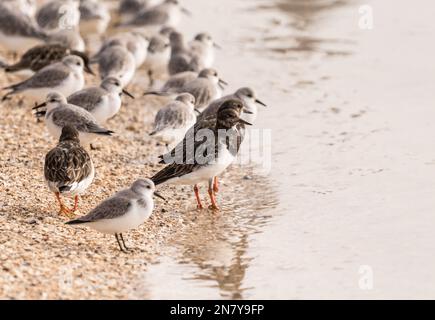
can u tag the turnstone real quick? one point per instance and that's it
(125, 210)
(68, 168)
(64, 77)
(173, 120)
(246, 95)
(41, 56)
(102, 102)
(59, 113)
(194, 160)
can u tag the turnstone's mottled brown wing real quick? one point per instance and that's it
(88, 98)
(180, 148)
(172, 171)
(66, 164)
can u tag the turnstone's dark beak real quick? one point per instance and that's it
(259, 102)
(127, 93)
(41, 105)
(186, 12)
(245, 122)
(159, 195)
(247, 111)
(217, 46)
(197, 111)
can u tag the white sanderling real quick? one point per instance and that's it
(67, 37)
(26, 7)
(167, 13)
(205, 87)
(64, 77)
(202, 47)
(59, 15)
(43, 55)
(17, 31)
(159, 52)
(102, 102)
(181, 59)
(173, 120)
(134, 41)
(59, 113)
(116, 61)
(246, 95)
(94, 17)
(68, 168)
(125, 210)
(216, 154)
(128, 9)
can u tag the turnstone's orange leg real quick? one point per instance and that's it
(76, 203)
(62, 210)
(198, 199)
(211, 193)
(216, 185)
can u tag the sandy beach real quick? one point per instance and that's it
(344, 209)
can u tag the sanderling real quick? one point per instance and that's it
(246, 95)
(67, 37)
(125, 210)
(167, 13)
(205, 88)
(41, 56)
(202, 46)
(217, 153)
(134, 41)
(102, 102)
(181, 59)
(128, 9)
(116, 61)
(94, 17)
(64, 77)
(17, 31)
(59, 14)
(174, 119)
(159, 52)
(59, 113)
(68, 168)
(26, 7)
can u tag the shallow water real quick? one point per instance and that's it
(352, 159)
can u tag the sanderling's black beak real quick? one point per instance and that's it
(197, 111)
(259, 102)
(222, 82)
(186, 12)
(159, 195)
(88, 69)
(245, 122)
(127, 93)
(217, 46)
(41, 105)
(247, 111)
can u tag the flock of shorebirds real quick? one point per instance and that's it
(46, 37)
